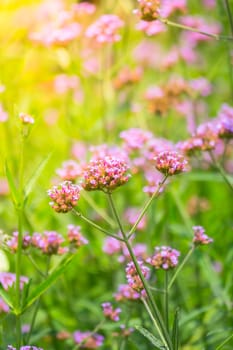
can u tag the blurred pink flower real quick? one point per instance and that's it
(105, 29)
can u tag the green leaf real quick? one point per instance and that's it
(14, 191)
(36, 174)
(224, 342)
(6, 297)
(45, 285)
(155, 341)
(175, 330)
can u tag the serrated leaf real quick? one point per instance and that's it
(45, 285)
(36, 174)
(13, 190)
(175, 330)
(155, 341)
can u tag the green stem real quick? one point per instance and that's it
(166, 308)
(225, 341)
(191, 29)
(152, 318)
(146, 206)
(20, 214)
(180, 267)
(165, 337)
(230, 17)
(45, 274)
(221, 170)
(81, 216)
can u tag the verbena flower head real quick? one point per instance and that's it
(49, 242)
(125, 292)
(75, 237)
(110, 312)
(88, 339)
(25, 347)
(70, 170)
(105, 174)
(170, 163)
(12, 242)
(64, 197)
(148, 9)
(225, 129)
(7, 279)
(105, 29)
(164, 258)
(26, 118)
(133, 278)
(200, 238)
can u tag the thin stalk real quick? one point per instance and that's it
(81, 216)
(166, 295)
(229, 14)
(180, 267)
(45, 274)
(20, 210)
(191, 29)
(165, 335)
(35, 266)
(152, 318)
(146, 206)
(221, 170)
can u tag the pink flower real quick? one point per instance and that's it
(148, 9)
(3, 114)
(133, 278)
(200, 238)
(70, 170)
(105, 174)
(168, 7)
(135, 139)
(88, 340)
(25, 347)
(84, 8)
(170, 163)
(63, 83)
(164, 258)
(125, 292)
(105, 29)
(131, 215)
(75, 237)
(109, 312)
(7, 279)
(202, 86)
(64, 197)
(49, 242)
(12, 242)
(26, 118)
(111, 246)
(151, 28)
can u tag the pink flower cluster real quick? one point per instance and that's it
(75, 237)
(132, 214)
(7, 279)
(88, 339)
(12, 242)
(200, 238)
(64, 197)
(105, 29)
(133, 278)
(26, 118)
(164, 258)
(49, 242)
(125, 292)
(3, 114)
(25, 347)
(83, 8)
(148, 9)
(70, 170)
(170, 163)
(110, 312)
(105, 174)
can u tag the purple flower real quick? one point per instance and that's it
(105, 174)
(64, 197)
(170, 163)
(200, 238)
(164, 258)
(88, 339)
(110, 312)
